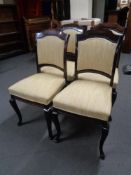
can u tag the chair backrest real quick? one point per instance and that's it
(96, 52)
(72, 30)
(116, 29)
(51, 49)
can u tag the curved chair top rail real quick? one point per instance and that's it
(111, 26)
(105, 33)
(57, 33)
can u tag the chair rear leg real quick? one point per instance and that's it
(110, 118)
(114, 96)
(105, 131)
(16, 109)
(57, 126)
(48, 121)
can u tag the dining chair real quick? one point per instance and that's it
(96, 53)
(40, 88)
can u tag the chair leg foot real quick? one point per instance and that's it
(105, 131)
(49, 125)
(114, 96)
(110, 118)
(57, 126)
(16, 109)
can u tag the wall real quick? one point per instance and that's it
(1, 2)
(81, 8)
(7, 1)
(98, 9)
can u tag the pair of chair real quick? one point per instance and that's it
(96, 53)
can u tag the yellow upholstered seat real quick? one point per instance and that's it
(40, 88)
(81, 97)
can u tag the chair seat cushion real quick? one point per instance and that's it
(40, 88)
(87, 98)
(53, 70)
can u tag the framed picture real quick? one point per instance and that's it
(124, 2)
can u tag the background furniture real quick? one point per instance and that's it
(34, 25)
(36, 15)
(127, 41)
(81, 13)
(12, 38)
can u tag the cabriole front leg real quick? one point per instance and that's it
(105, 131)
(16, 109)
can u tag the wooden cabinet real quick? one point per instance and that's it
(12, 41)
(127, 42)
(34, 25)
(112, 16)
(35, 20)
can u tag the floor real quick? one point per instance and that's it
(26, 150)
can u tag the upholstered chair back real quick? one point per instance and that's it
(116, 29)
(51, 48)
(97, 52)
(72, 32)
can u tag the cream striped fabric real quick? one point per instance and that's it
(72, 39)
(40, 88)
(96, 53)
(55, 71)
(83, 76)
(87, 98)
(100, 78)
(50, 50)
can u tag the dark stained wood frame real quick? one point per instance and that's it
(105, 124)
(47, 108)
(110, 26)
